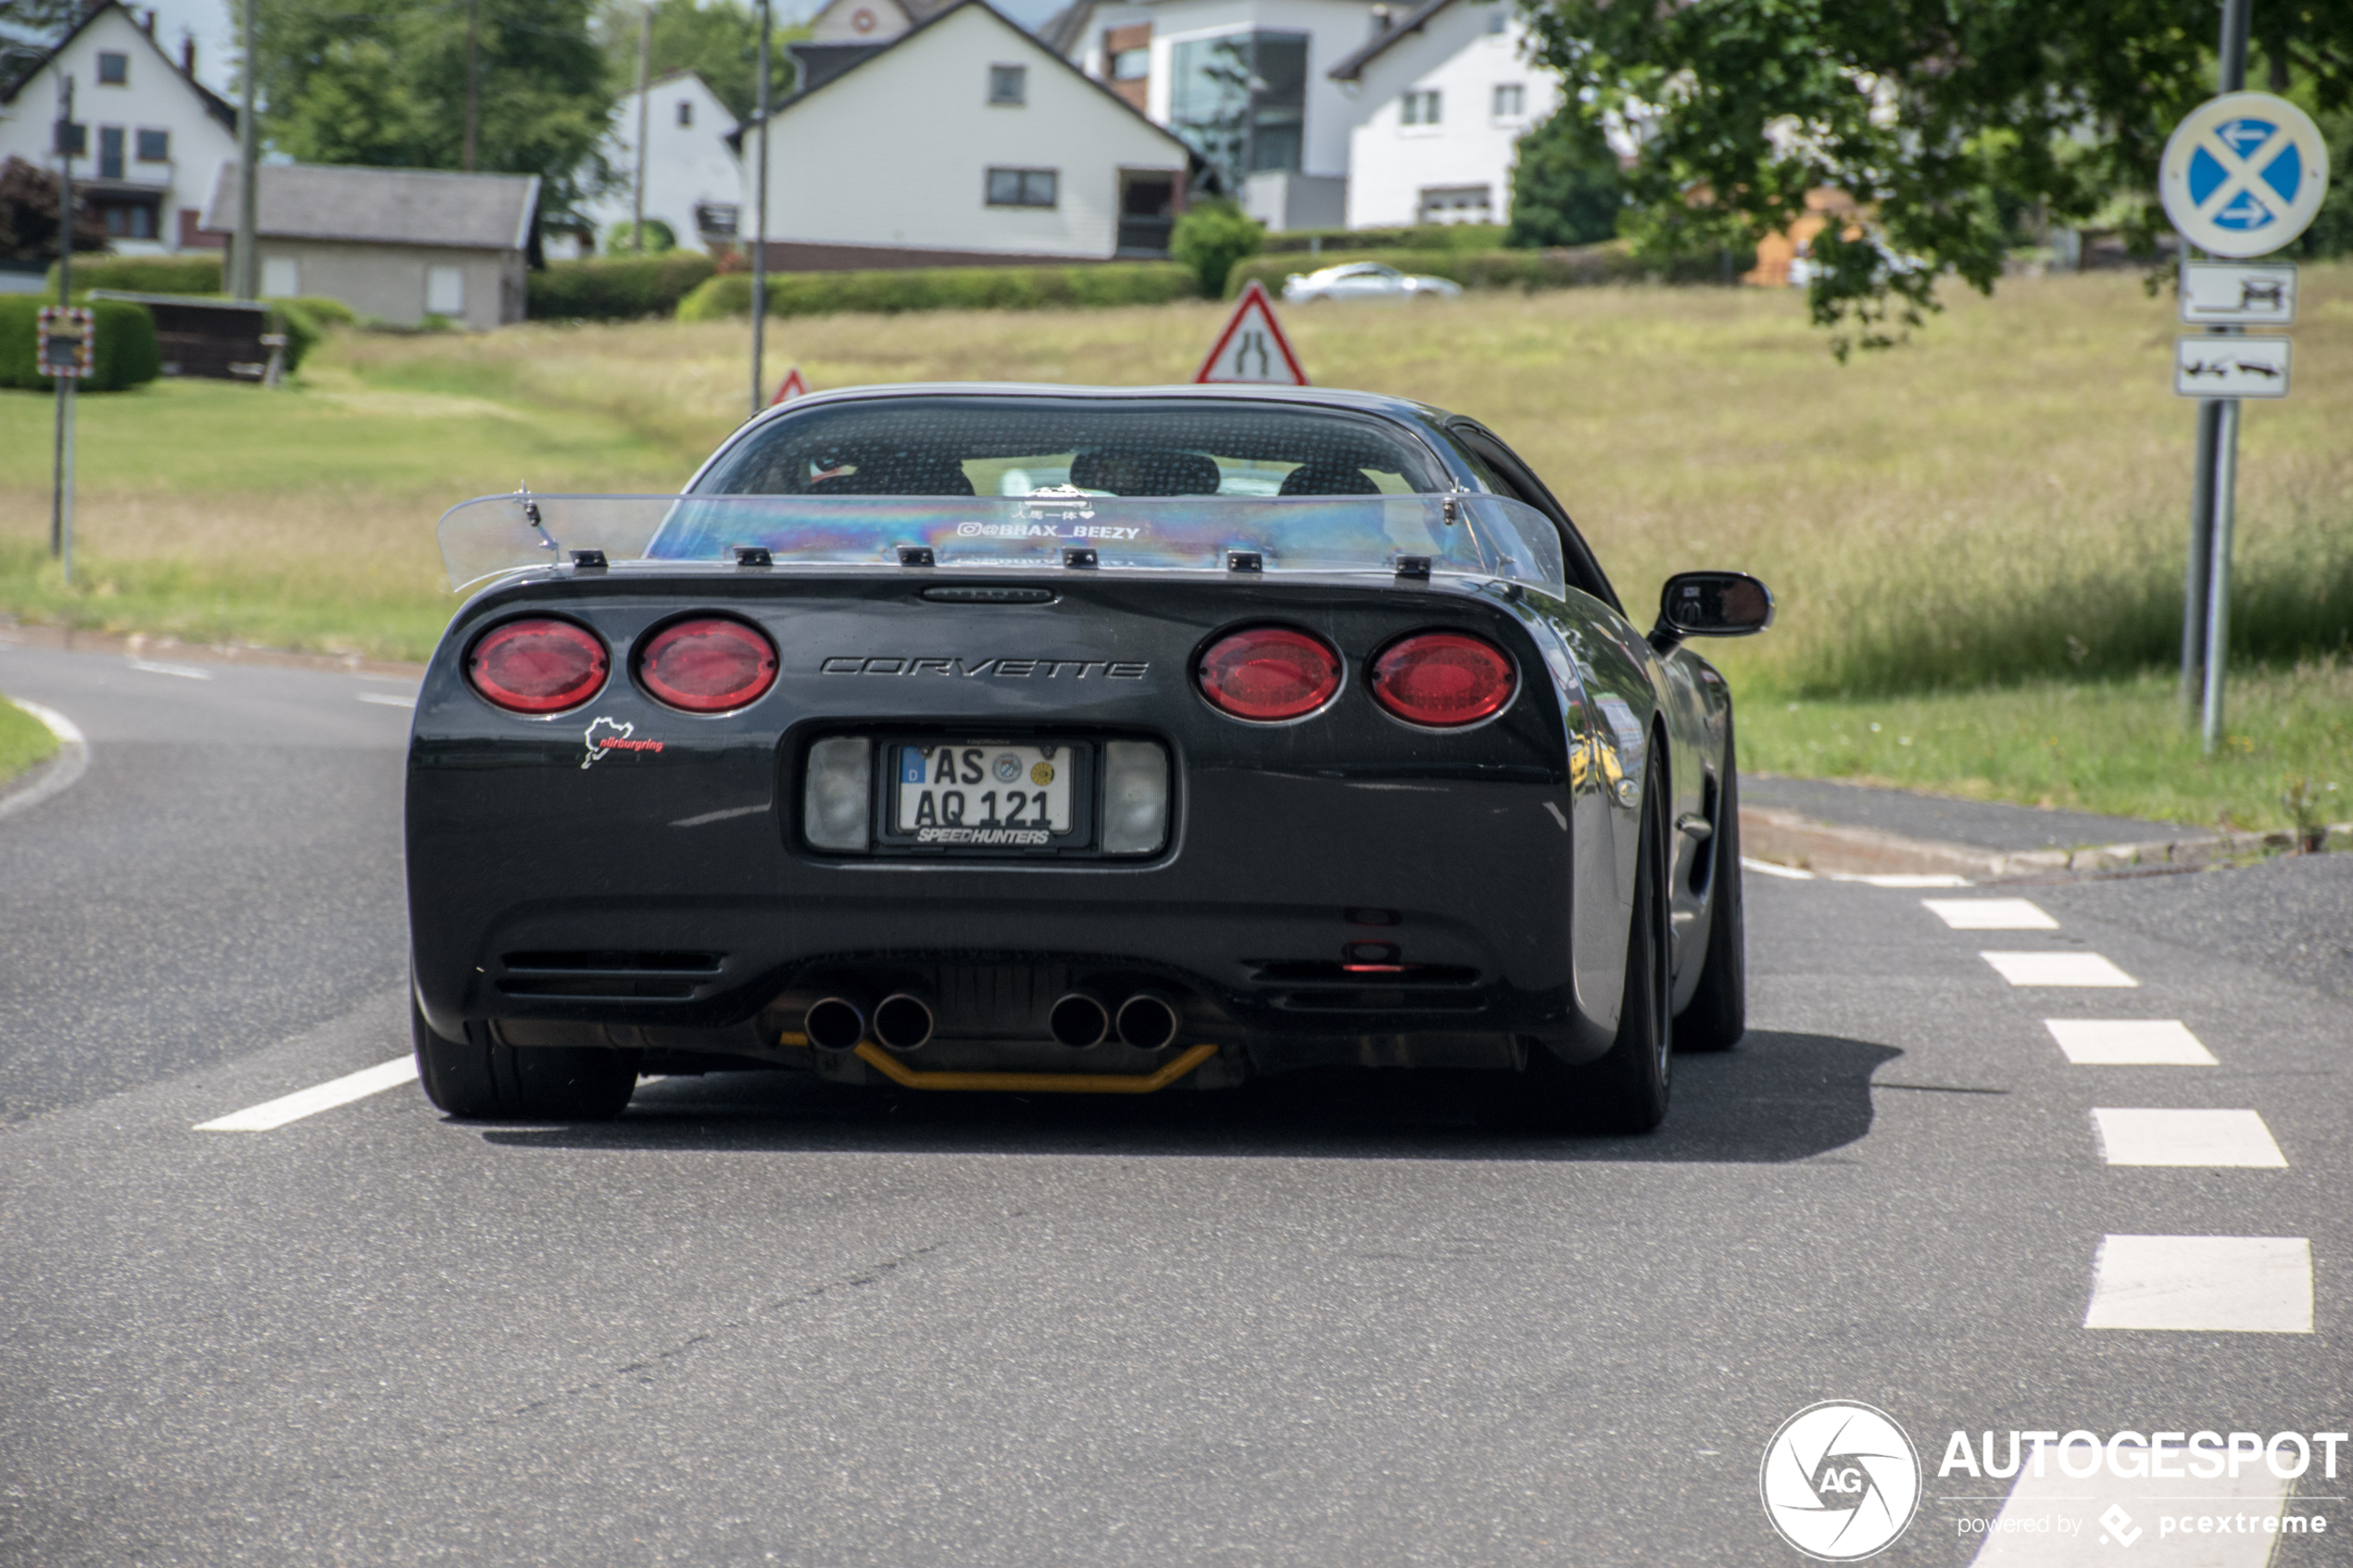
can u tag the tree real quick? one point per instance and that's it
(385, 84)
(718, 41)
(28, 29)
(29, 216)
(1935, 115)
(1566, 189)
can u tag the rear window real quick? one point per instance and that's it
(947, 446)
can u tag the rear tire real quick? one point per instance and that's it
(1717, 1015)
(1627, 1090)
(477, 1080)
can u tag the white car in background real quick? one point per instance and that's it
(1364, 279)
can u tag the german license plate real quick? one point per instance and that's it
(984, 794)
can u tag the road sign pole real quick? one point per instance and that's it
(760, 230)
(61, 478)
(2218, 576)
(2210, 425)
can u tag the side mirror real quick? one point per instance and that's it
(1710, 604)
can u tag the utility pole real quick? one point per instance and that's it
(61, 476)
(244, 263)
(473, 79)
(760, 230)
(645, 59)
(2206, 590)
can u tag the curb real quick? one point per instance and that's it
(1792, 839)
(142, 644)
(54, 775)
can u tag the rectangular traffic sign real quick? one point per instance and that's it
(2216, 293)
(2230, 367)
(63, 348)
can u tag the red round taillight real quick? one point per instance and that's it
(707, 665)
(1442, 679)
(537, 666)
(1269, 673)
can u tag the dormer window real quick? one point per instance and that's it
(1009, 86)
(114, 69)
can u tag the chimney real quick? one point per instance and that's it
(148, 25)
(188, 54)
(1380, 21)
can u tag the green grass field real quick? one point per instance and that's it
(24, 740)
(1984, 529)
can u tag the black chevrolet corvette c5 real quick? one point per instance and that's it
(1066, 739)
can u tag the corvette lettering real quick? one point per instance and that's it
(1044, 531)
(1008, 668)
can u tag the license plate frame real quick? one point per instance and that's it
(984, 830)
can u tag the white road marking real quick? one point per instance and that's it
(1991, 914)
(2058, 969)
(2203, 1284)
(2213, 1139)
(2028, 1532)
(2128, 1041)
(388, 699)
(1905, 879)
(186, 671)
(273, 1114)
(1771, 869)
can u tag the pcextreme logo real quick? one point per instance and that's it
(1841, 1481)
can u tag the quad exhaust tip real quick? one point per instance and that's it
(1079, 1021)
(1147, 1021)
(834, 1024)
(903, 1022)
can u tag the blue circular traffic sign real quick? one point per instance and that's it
(2243, 174)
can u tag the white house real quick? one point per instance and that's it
(693, 182)
(152, 136)
(963, 141)
(1246, 84)
(1443, 98)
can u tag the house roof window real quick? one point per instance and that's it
(1420, 109)
(114, 67)
(685, 112)
(1131, 65)
(155, 146)
(1022, 187)
(1009, 86)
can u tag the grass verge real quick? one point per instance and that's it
(24, 741)
(2116, 747)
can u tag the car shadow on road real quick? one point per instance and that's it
(1777, 1097)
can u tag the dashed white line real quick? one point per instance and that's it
(186, 671)
(273, 1114)
(2214, 1139)
(1905, 879)
(1991, 914)
(2058, 969)
(2203, 1284)
(388, 699)
(2128, 1041)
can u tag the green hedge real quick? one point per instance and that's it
(126, 354)
(1418, 236)
(143, 275)
(1581, 266)
(616, 290)
(944, 288)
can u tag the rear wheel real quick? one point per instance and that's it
(1625, 1091)
(1717, 1015)
(478, 1080)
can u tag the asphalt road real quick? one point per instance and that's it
(1316, 1321)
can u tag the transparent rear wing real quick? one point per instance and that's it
(1463, 535)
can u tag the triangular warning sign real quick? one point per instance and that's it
(1252, 350)
(794, 387)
